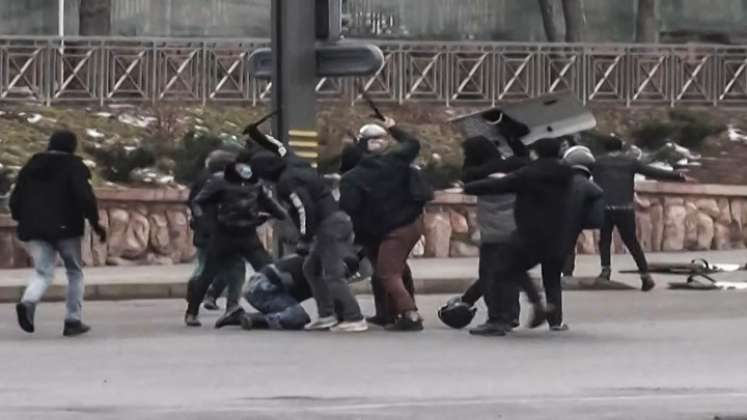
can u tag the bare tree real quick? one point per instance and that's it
(647, 30)
(547, 7)
(575, 21)
(95, 17)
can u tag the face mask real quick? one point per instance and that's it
(244, 171)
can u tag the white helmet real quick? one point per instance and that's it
(372, 131)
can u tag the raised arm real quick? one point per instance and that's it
(661, 174)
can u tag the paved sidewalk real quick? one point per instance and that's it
(432, 276)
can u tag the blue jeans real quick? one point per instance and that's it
(44, 255)
(281, 310)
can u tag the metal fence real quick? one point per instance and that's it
(110, 70)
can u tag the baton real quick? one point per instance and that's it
(267, 117)
(371, 104)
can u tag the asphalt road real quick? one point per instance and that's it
(629, 355)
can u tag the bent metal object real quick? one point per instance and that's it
(699, 275)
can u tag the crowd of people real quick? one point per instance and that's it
(531, 208)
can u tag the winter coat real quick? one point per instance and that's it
(495, 213)
(53, 197)
(615, 174)
(542, 202)
(237, 205)
(377, 193)
(307, 195)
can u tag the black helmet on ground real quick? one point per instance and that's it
(457, 314)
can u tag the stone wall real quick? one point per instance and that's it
(148, 226)
(671, 218)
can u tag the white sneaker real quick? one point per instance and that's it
(322, 324)
(351, 326)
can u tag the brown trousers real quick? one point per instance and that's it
(390, 261)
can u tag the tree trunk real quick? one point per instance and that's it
(575, 21)
(547, 7)
(647, 28)
(95, 17)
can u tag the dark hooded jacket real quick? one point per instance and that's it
(584, 197)
(53, 197)
(238, 204)
(376, 192)
(204, 226)
(308, 197)
(542, 203)
(495, 213)
(615, 173)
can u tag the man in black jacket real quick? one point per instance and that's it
(352, 155)
(540, 212)
(241, 205)
(380, 186)
(203, 227)
(326, 232)
(615, 174)
(51, 201)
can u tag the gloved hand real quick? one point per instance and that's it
(303, 248)
(100, 232)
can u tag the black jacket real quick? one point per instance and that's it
(376, 192)
(615, 174)
(52, 198)
(307, 195)
(583, 196)
(542, 201)
(202, 226)
(234, 206)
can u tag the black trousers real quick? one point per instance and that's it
(501, 297)
(224, 247)
(509, 265)
(624, 221)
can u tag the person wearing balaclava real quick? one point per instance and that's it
(540, 214)
(51, 201)
(326, 232)
(215, 163)
(241, 204)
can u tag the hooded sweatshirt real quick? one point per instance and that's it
(495, 213)
(299, 186)
(53, 197)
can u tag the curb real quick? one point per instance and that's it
(166, 290)
(172, 290)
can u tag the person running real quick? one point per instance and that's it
(615, 174)
(51, 201)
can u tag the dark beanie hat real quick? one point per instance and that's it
(547, 148)
(63, 141)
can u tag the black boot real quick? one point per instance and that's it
(539, 315)
(253, 321)
(73, 328)
(647, 282)
(191, 320)
(490, 329)
(231, 317)
(25, 312)
(210, 303)
(409, 321)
